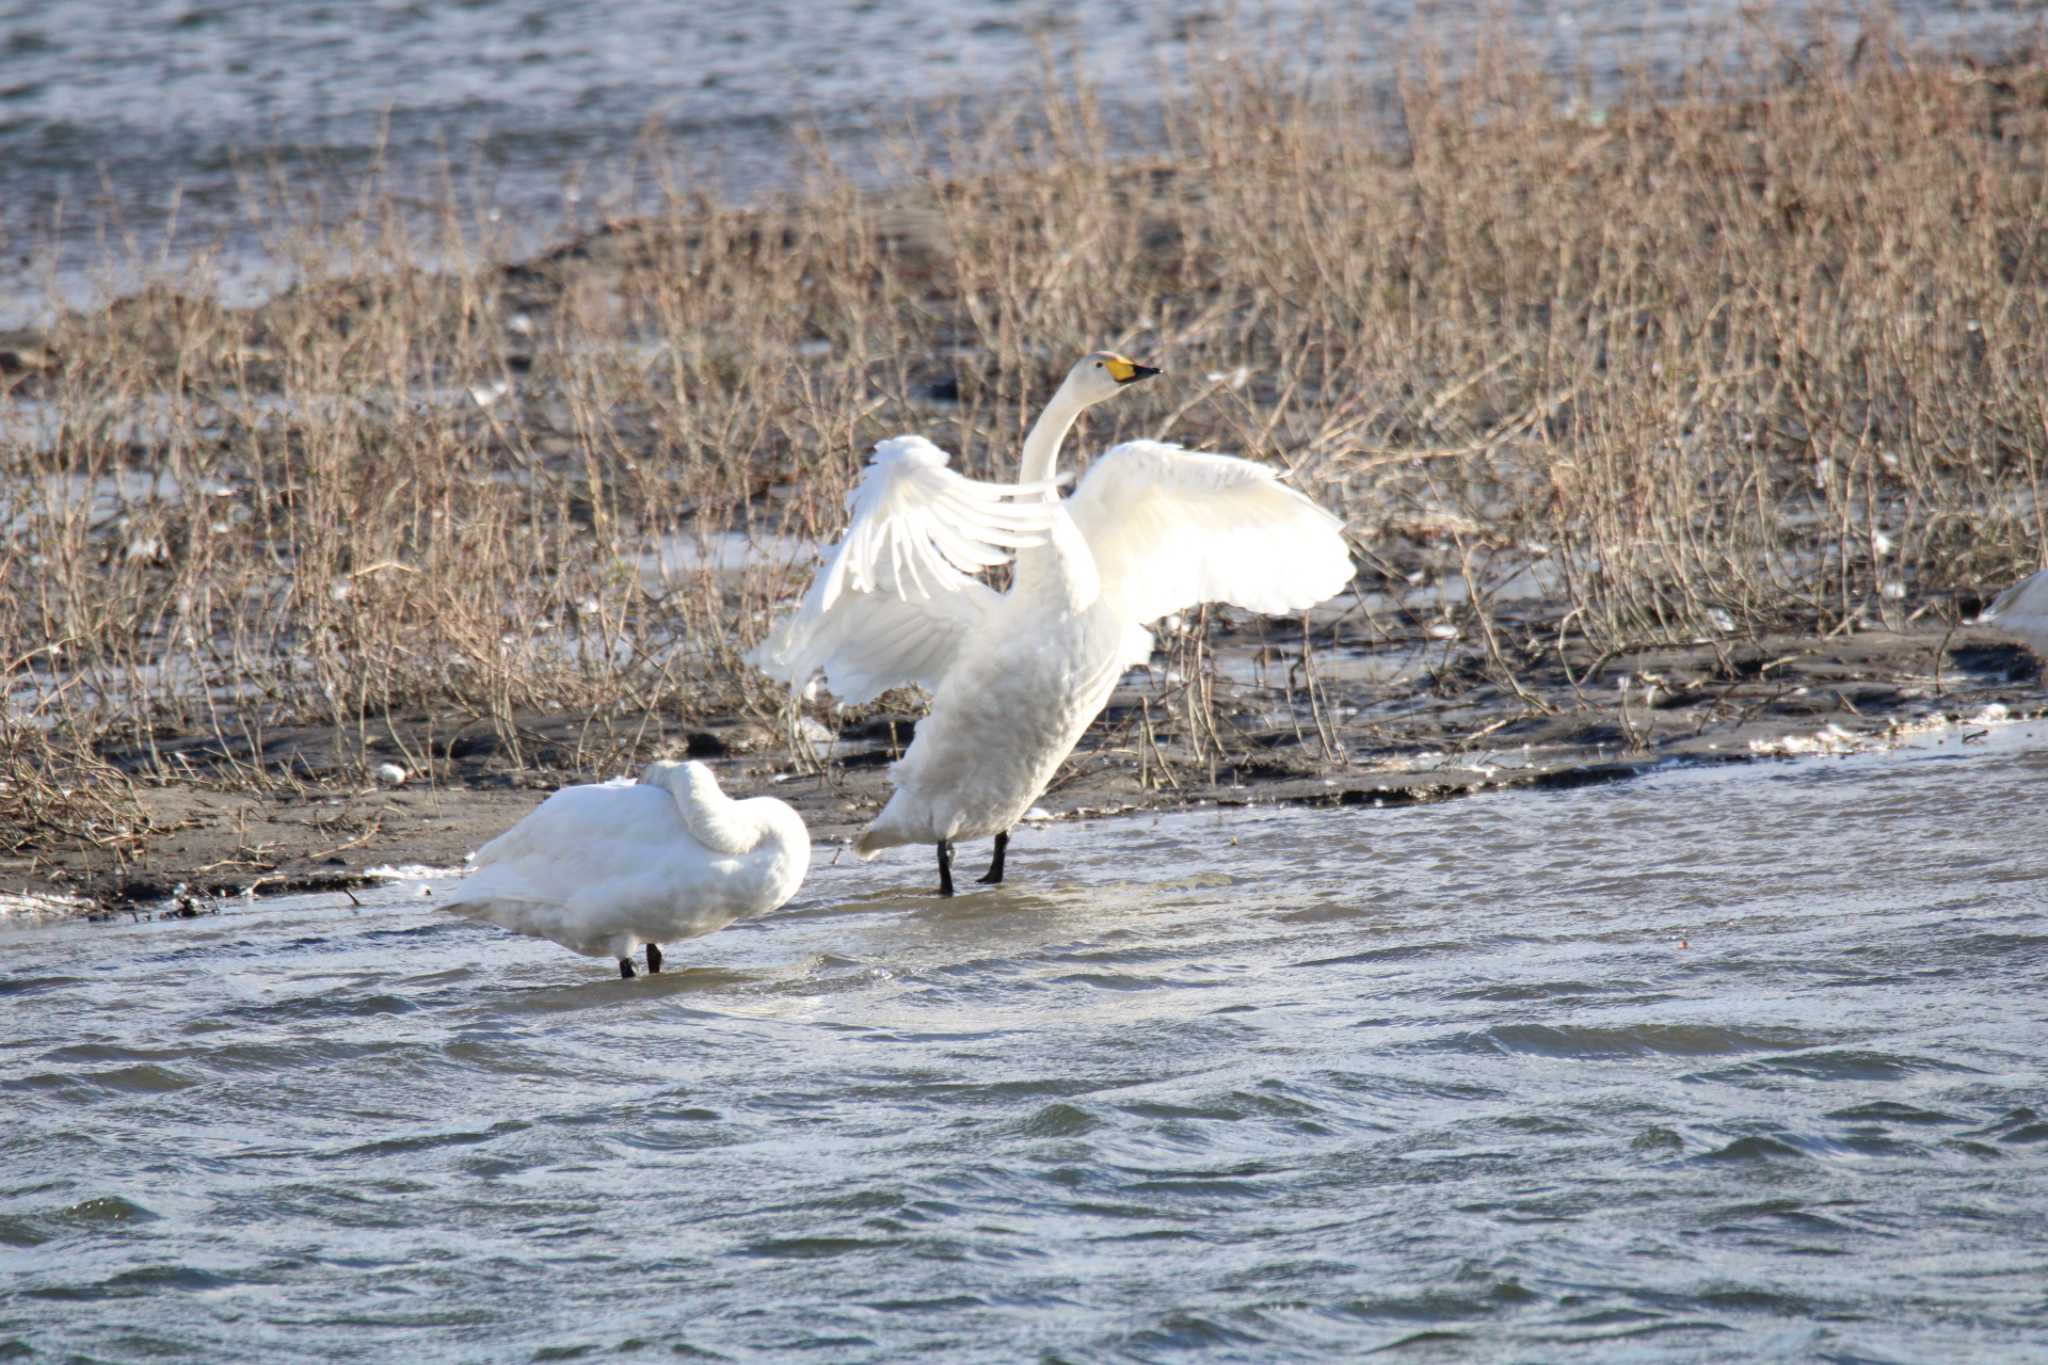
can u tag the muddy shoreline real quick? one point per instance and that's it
(1413, 741)
(470, 528)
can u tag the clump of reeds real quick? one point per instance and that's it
(1761, 352)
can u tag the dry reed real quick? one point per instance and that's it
(1760, 353)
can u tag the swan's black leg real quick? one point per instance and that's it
(994, 875)
(626, 967)
(945, 868)
(653, 958)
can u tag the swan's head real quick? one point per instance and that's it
(1103, 374)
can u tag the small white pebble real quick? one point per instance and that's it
(390, 774)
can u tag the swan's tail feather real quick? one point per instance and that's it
(871, 843)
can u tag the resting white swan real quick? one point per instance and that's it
(604, 869)
(2022, 611)
(1016, 677)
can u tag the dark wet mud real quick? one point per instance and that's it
(1389, 723)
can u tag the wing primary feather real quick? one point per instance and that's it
(898, 590)
(1171, 528)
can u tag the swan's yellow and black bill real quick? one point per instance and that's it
(1125, 371)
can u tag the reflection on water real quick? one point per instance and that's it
(1727, 1063)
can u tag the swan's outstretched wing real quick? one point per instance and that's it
(1171, 528)
(870, 642)
(896, 594)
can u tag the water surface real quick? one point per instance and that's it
(1729, 1063)
(137, 134)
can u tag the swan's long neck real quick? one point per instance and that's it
(1062, 567)
(714, 819)
(1048, 433)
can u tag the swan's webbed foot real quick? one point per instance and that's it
(945, 868)
(994, 875)
(653, 958)
(626, 968)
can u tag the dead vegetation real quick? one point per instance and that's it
(1764, 353)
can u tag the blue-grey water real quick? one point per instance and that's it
(136, 135)
(1737, 1063)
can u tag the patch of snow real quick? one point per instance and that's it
(27, 908)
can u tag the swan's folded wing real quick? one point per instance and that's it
(1170, 528)
(578, 836)
(896, 594)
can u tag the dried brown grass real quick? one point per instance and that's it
(1765, 352)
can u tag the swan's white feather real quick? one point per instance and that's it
(870, 642)
(897, 594)
(2022, 610)
(918, 528)
(1017, 677)
(1171, 528)
(603, 869)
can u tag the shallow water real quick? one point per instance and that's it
(139, 133)
(1722, 1063)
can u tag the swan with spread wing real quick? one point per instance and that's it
(1015, 677)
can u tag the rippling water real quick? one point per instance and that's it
(122, 118)
(1736, 1063)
